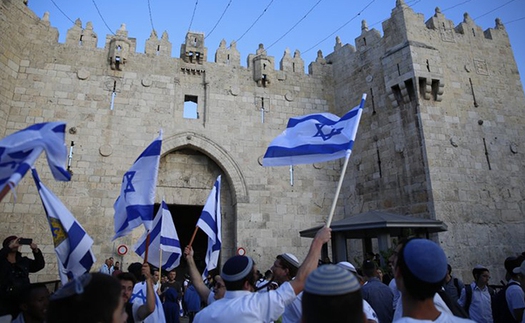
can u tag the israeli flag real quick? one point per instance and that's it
(210, 223)
(138, 296)
(20, 150)
(163, 237)
(134, 205)
(315, 138)
(72, 243)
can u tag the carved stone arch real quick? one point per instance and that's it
(217, 154)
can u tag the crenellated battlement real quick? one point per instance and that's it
(404, 25)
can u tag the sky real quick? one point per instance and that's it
(304, 25)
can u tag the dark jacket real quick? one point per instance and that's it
(14, 276)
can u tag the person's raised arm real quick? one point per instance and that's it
(38, 263)
(312, 259)
(147, 308)
(195, 276)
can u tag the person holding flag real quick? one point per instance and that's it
(242, 304)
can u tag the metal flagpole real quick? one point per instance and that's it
(334, 203)
(348, 152)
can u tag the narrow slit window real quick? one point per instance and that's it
(191, 110)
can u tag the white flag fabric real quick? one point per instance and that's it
(20, 150)
(139, 297)
(163, 236)
(134, 206)
(315, 138)
(210, 223)
(72, 243)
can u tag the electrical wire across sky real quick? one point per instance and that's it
(307, 26)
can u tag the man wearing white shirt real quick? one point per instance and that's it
(241, 305)
(420, 268)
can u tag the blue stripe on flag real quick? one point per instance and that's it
(315, 138)
(207, 218)
(277, 151)
(171, 260)
(75, 234)
(153, 149)
(168, 241)
(210, 223)
(152, 236)
(134, 206)
(36, 126)
(164, 239)
(72, 243)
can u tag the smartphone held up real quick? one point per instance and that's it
(25, 241)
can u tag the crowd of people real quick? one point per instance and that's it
(420, 287)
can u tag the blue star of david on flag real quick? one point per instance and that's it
(128, 179)
(139, 296)
(134, 206)
(315, 138)
(328, 136)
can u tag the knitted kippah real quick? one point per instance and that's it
(331, 280)
(425, 260)
(236, 268)
(346, 265)
(292, 260)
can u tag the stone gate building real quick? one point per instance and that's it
(440, 137)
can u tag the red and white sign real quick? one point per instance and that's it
(241, 251)
(122, 249)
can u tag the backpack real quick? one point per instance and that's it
(500, 307)
(458, 289)
(454, 307)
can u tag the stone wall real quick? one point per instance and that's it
(439, 136)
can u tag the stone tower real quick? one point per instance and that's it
(439, 137)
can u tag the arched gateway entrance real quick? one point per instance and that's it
(189, 166)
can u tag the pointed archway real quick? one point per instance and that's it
(189, 166)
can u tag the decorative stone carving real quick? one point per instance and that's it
(146, 82)
(105, 150)
(83, 74)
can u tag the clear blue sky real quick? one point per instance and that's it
(306, 25)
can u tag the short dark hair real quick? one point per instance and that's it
(369, 268)
(27, 291)
(136, 270)
(414, 286)
(477, 271)
(292, 270)
(127, 276)
(97, 303)
(346, 308)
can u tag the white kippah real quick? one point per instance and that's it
(292, 260)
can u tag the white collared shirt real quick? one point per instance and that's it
(242, 306)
